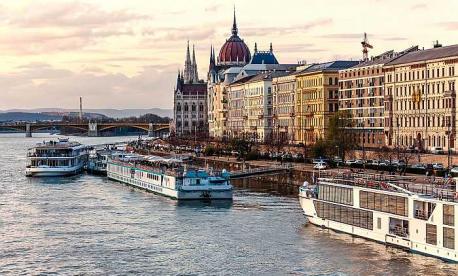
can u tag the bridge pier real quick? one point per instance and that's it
(151, 132)
(92, 130)
(28, 130)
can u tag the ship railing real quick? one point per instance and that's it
(423, 189)
(51, 155)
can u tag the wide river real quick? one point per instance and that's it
(92, 226)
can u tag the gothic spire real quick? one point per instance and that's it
(187, 66)
(271, 49)
(234, 25)
(255, 47)
(194, 77)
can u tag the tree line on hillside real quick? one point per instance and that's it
(146, 118)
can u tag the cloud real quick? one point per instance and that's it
(213, 8)
(297, 48)
(419, 6)
(342, 36)
(70, 14)
(61, 26)
(260, 31)
(180, 33)
(35, 85)
(449, 25)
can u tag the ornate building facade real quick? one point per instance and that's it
(223, 69)
(421, 99)
(362, 94)
(317, 98)
(190, 101)
(283, 100)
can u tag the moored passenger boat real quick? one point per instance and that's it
(418, 217)
(170, 178)
(56, 158)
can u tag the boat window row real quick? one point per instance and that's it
(335, 194)
(449, 215)
(51, 163)
(344, 214)
(152, 176)
(382, 202)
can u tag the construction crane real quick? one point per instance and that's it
(366, 45)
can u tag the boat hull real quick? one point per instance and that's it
(207, 194)
(310, 213)
(49, 172)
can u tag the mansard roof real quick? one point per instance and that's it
(329, 66)
(263, 57)
(429, 54)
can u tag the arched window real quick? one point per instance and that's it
(186, 108)
(330, 81)
(193, 108)
(179, 107)
(201, 107)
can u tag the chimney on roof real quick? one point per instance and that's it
(437, 44)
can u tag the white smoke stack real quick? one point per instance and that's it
(81, 108)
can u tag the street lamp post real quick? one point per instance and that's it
(448, 149)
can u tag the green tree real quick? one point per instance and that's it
(338, 138)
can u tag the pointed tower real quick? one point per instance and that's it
(234, 25)
(195, 75)
(187, 75)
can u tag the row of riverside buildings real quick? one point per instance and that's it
(404, 98)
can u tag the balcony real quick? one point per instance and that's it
(450, 94)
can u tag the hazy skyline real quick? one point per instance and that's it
(118, 54)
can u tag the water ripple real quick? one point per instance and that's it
(87, 225)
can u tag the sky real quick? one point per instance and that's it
(126, 54)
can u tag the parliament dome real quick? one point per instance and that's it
(234, 51)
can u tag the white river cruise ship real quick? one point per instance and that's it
(56, 158)
(170, 178)
(421, 218)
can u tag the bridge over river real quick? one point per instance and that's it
(93, 129)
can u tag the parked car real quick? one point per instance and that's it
(320, 166)
(350, 162)
(359, 162)
(437, 150)
(419, 166)
(438, 166)
(337, 160)
(319, 160)
(454, 170)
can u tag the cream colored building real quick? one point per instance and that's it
(421, 99)
(237, 114)
(283, 125)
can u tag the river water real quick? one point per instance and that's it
(92, 226)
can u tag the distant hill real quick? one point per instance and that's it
(113, 113)
(29, 117)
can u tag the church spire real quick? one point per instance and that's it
(234, 25)
(187, 66)
(194, 77)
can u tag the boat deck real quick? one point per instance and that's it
(424, 187)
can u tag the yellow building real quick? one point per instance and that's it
(420, 99)
(317, 98)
